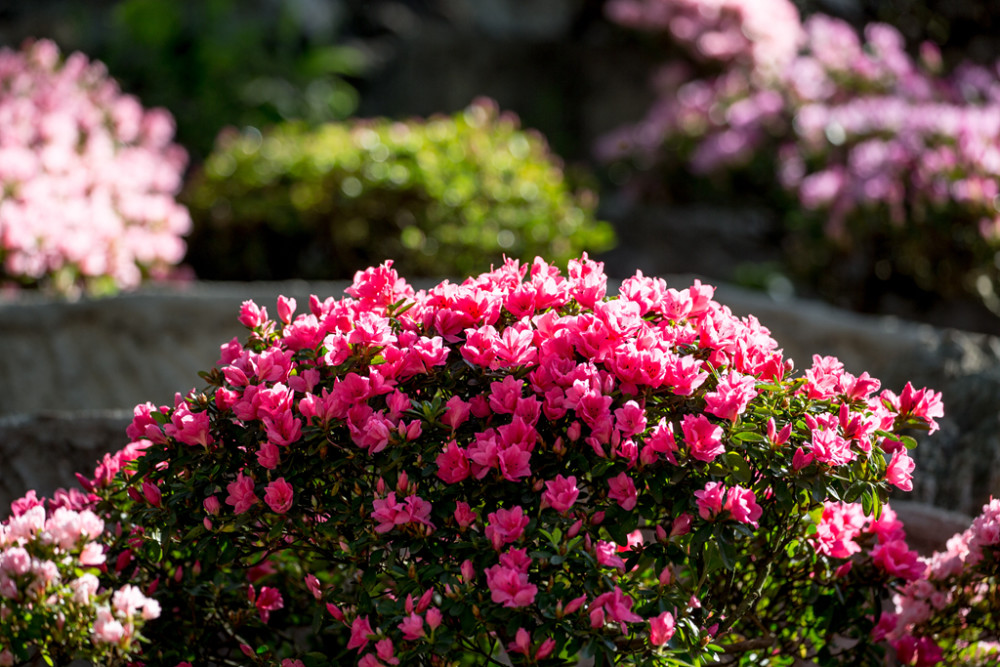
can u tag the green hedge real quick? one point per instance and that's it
(445, 196)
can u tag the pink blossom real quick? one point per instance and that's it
(710, 500)
(412, 627)
(361, 631)
(107, 628)
(452, 464)
(278, 496)
(622, 491)
(509, 586)
(661, 628)
(241, 493)
(607, 555)
(704, 439)
(837, 528)
(560, 493)
(742, 505)
(899, 472)
(614, 606)
(897, 559)
(464, 515)
(506, 526)
(731, 397)
(191, 428)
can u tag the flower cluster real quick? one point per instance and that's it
(870, 142)
(52, 601)
(948, 614)
(87, 177)
(518, 464)
(764, 35)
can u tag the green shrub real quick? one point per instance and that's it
(449, 195)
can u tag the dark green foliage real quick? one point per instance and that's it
(446, 196)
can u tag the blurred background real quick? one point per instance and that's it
(575, 72)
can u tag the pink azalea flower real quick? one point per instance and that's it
(710, 500)
(464, 515)
(623, 491)
(899, 472)
(188, 427)
(661, 629)
(837, 528)
(241, 493)
(506, 526)
(412, 627)
(897, 559)
(731, 397)
(704, 439)
(560, 493)
(278, 496)
(452, 464)
(509, 586)
(267, 601)
(742, 505)
(361, 631)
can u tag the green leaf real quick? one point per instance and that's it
(749, 436)
(739, 468)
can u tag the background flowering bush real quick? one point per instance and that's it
(87, 177)
(880, 163)
(446, 196)
(515, 464)
(53, 602)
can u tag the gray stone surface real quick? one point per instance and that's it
(43, 451)
(111, 354)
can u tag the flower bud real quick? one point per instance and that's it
(212, 505)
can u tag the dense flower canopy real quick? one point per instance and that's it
(87, 176)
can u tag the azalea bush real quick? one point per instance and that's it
(878, 162)
(514, 467)
(52, 601)
(444, 196)
(87, 177)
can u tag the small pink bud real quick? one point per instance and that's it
(575, 604)
(433, 618)
(666, 576)
(574, 530)
(286, 308)
(597, 518)
(335, 612)
(207, 523)
(247, 651)
(408, 605)
(682, 525)
(538, 485)
(151, 493)
(545, 650)
(468, 572)
(661, 534)
(402, 482)
(212, 505)
(380, 487)
(559, 447)
(425, 600)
